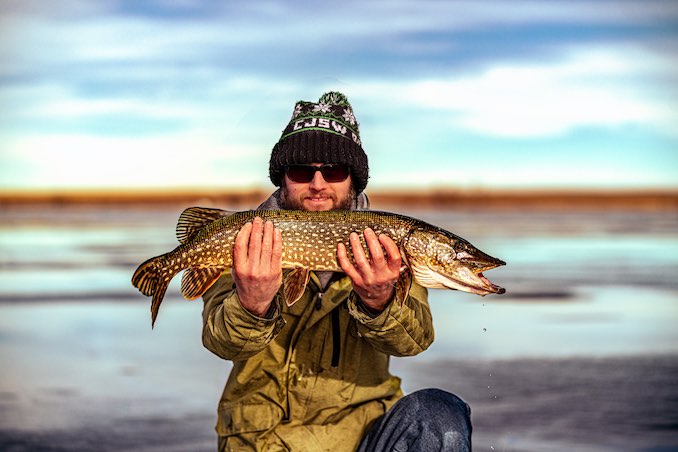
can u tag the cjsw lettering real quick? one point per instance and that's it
(325, 123)
(320, 122)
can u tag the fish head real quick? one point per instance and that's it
(440, 259)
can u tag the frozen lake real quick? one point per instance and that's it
(583, 346)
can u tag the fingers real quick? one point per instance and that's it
(271, 248)
(394, 260)
(345, 263)
(379, 260)
(374, 278)
(241, 245)
(382, 262)
(359, 256)
(266, 245)
(276, 255)
(376, 251)
(257, 265)
(255, 245)
(258, 246)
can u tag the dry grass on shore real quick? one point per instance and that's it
(380, 198)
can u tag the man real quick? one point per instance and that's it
(314, 376)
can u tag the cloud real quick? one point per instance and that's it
(125, 32)
(179, 160)
(588, 87)
(219, 78)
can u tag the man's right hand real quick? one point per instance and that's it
(257, 265)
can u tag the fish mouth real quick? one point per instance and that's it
(490, 287)
(479, 283)
(472, 276)
(467, 276)
(471, 281)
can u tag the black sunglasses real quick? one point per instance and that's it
(303, 174)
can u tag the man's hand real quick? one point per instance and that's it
(257, 265)
(373, 280)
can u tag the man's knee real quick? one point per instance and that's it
(436, 401)
(429, 419)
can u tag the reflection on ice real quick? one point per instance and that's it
(596, 321)
(590, 309)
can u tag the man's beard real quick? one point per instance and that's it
(297, 204)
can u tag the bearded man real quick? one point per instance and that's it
(315, 376)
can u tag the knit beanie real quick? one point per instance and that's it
(326, 132)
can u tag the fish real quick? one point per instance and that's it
(431, 256)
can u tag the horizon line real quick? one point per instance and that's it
(426, 197)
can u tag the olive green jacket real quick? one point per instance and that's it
(313, 376)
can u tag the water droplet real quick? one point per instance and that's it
(484, 330)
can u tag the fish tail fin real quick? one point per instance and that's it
(155, 304)
(151, 280)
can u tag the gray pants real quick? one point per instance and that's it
(428, 420)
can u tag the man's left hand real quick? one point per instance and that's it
(373, 279)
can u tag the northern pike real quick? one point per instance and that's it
(434, 257)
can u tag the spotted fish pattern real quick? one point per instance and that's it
(432, 256)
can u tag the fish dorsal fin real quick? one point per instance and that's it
(196, 281)
(193, 219)
(294, 284)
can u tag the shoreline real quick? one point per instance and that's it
(647, 200)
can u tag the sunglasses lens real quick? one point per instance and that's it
(305, 173)
(301, 173)
(334, 173)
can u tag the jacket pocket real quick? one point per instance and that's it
(238, 417)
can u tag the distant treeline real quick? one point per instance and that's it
(380, 198)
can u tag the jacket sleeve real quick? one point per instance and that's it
(229, 330)
(399, 330)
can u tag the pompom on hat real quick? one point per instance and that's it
(323, 132)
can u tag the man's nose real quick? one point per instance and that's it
(318, 182)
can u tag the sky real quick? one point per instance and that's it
(548, 94)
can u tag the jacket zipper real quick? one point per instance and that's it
(336, 337)
(335, 327)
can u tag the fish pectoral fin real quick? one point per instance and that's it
(196, 281)
(403, 285)
(194, 219)
(294, 284)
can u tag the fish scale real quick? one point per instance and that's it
(309, 238)
(433, 257)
